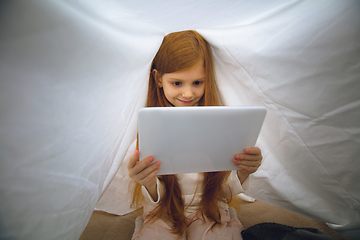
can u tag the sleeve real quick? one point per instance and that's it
(160, 191)
(235, 186)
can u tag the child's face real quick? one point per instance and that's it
(186, 87)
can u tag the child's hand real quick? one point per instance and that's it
(143, 173)
(249, 161)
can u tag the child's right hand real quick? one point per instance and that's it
(143, 173)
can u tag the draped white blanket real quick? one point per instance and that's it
(74, 73)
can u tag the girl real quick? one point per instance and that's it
(187, 206)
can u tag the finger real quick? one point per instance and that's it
(150, 178)
(149, 170)
(253, 151)
(140, 166)
(249, 157)
(246, 163)
(133, 160)
(247, 169)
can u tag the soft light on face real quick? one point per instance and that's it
(186, 87)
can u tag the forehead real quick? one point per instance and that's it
(195, 72)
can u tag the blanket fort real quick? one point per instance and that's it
(73, 75)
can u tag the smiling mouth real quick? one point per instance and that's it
(186, 102)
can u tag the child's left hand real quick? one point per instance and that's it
(249, 161)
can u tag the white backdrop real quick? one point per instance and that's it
(74, 73)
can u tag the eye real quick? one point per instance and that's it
(198, 82)
(176, 83)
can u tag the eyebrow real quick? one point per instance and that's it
(176, 79)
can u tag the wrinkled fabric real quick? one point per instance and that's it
(73, 75)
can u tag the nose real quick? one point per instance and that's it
(187, 93)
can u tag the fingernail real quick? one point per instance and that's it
(137, 152)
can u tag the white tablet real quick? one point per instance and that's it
(197, 139)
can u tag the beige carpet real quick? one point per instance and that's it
(107, 226)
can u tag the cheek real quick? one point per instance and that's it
(169, 91)
(202, 91)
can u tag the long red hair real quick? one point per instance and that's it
(179, 51)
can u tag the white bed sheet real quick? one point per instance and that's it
(74, 73)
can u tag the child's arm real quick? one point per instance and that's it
(144, 174)
(248, 162)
